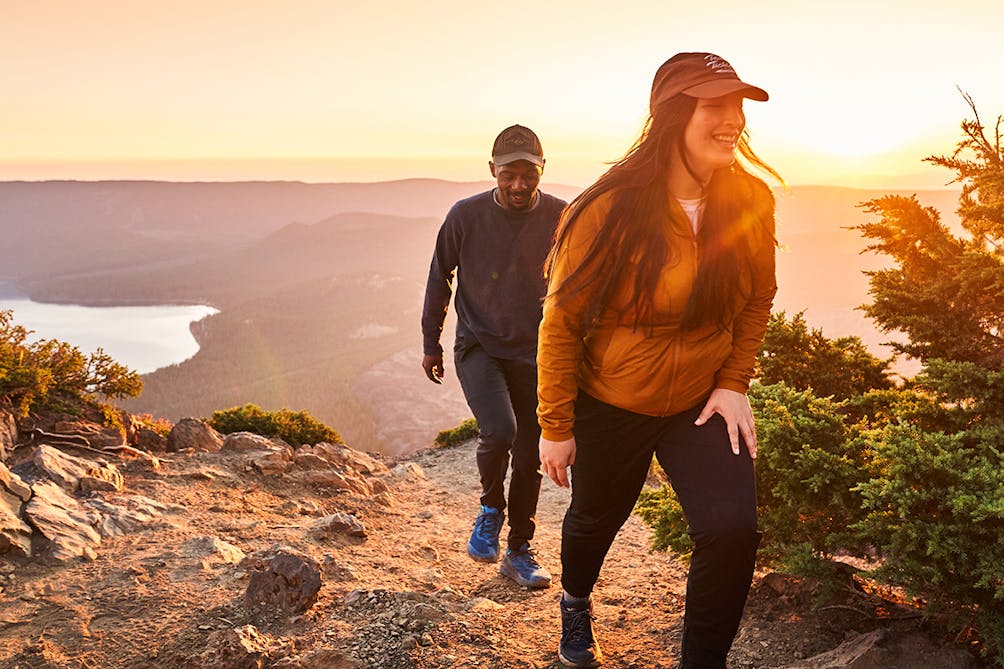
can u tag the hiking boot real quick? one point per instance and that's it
(578, 648)
(521, 566)
(483, 545)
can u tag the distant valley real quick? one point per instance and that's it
(320, 285)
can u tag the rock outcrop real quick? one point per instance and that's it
(75, 474)
(194, 434)
(62, 520)
(39, 501)
(15, 534)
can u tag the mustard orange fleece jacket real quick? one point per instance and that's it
(659, 370)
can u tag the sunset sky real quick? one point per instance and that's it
(331, 90)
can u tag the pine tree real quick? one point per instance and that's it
(935, 494)
(946, 291)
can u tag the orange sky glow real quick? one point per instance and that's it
(328, 90)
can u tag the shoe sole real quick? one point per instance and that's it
(569, 663)
(513, 575)
(487, 559)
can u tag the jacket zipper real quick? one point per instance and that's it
(677, 345)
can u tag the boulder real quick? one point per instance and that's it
(63, 521)
(286, 581)
(73, 473)
(150, 440)
(338, 524)
(270, 462)
(212, 550)
(15, 535)
(308, 460)
(249, 441)
(408, 471)
(13, 484)
(333, 478)
(194, 434)
(241, 648)
(348, 458)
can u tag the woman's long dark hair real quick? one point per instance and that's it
(635, 230)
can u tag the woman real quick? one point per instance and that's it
(660, 286)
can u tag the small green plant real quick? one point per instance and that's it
(293, 427)
(161, 426)
(110, 415)
(464, 432)
(658, 507)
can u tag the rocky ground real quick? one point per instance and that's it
(249, 555)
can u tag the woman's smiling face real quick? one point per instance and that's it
(712, 134)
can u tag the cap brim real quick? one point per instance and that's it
(507, 158)
(720, 87)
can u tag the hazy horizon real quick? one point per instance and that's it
(316, 172)
(860, 92)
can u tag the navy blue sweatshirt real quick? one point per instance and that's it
(498, 256)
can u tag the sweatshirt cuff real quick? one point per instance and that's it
(732, 384)
(556, 435)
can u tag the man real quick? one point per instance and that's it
(497, 242)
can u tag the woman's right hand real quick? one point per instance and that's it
(555, 459)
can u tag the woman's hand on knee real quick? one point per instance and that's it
(555, 459)
(735, 408)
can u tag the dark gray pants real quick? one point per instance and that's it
(716, 489)
(502, 394)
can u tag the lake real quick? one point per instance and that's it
(141, 338)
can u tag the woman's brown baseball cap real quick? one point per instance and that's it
(699, 75)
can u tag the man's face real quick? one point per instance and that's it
(517, 182)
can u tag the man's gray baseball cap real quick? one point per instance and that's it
(517, 143)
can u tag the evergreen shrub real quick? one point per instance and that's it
(294, 427)
(466, 431)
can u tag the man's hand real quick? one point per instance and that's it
(555, 459)
(433, 366)
(735, 409)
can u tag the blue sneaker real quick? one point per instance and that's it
(578, 646)
(521, 566)
(483, 545)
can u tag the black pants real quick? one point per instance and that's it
(502, 395)
(716, 489)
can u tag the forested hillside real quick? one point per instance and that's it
(320, 309)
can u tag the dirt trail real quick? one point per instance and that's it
(406, 596)
(639, 597)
